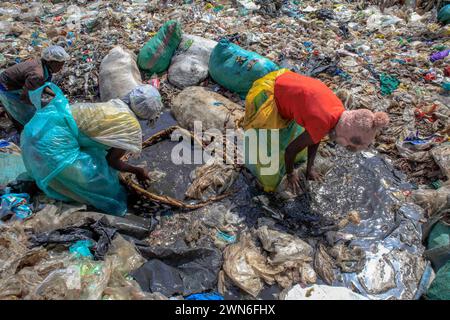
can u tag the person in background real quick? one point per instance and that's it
(17, 81)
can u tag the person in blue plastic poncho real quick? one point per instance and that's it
(74, 151)
(18, 80)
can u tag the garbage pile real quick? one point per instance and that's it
(391, 60)
(376, 228)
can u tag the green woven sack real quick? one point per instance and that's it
(157, 53)
(439, 236)
(440, 287)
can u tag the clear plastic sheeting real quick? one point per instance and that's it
(389, 230)
(441, 154)
(368, 234)
(52, 217)
(57, 274)
(433, 201)
(211, 179)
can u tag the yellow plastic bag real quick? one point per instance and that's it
(265, 115)
(110, 123)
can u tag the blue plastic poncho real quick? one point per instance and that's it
(66, 164)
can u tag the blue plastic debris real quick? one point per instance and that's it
(205, 296)
(81, 249)
(344, 75)
(4, 143)
(226, 237)
(12, 167)
(401, 61)
(425, 281)
(414, 139)
(17, 203)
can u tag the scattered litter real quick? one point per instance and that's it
(362, 231)
(16, 204)
(100, 232)
(212, 179)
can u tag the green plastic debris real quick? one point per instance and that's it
(388, 84)
(12, 168)
(446, 86)
(81, 249)
(439, 236)
(436, 184)
(188, 44)
(440, 287)
(439, 47)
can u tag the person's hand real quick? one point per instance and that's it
(293, 182)
(142, 174)
(313, 175)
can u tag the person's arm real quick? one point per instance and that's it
(114, 160)
(32, 82)
(24, 97)
(297, 145)
(310, 172)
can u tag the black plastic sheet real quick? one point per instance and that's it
(100, 232)
(178, 269)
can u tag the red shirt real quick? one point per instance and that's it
(309, 102)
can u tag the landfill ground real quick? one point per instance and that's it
(359, 233)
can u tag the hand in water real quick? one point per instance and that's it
(293, 181)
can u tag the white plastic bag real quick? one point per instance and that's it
(145, 101)
(119, 74)
(189, 65)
